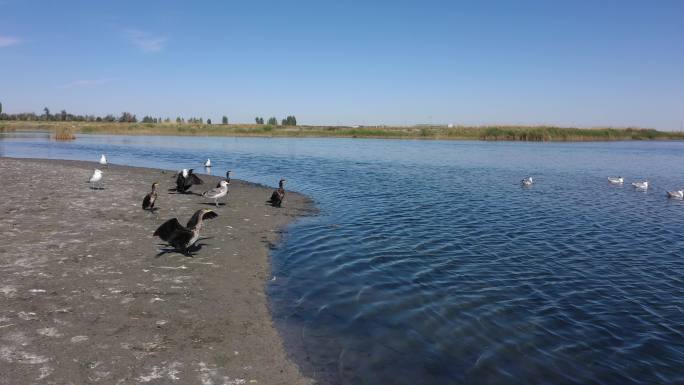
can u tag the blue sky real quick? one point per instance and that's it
(580, 63)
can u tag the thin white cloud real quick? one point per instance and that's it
(6, 41)
(85, 83)
(145, 41)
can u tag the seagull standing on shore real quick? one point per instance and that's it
(207, 163)
(185, 179)
(677, 194)
(278, 195)
(618, 180)
(641, 185)
(527, 181)
(148, 201)
(180, 237)
(95, 179)
(103, 160)
(227, 179)
(217, 192)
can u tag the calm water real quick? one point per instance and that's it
(430, 264)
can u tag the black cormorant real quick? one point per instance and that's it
(180, 237)
(278, 195)
(227, 179)
(185, 179)
(148, 201)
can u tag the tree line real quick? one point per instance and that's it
(125, 117)
(272, 121)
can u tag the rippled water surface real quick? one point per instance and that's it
(429, 263)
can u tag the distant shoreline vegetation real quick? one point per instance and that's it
(65, 125)
(493, 133)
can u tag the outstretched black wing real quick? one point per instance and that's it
(167, 230)
(209, 215)
(195, 217)
(194, 179)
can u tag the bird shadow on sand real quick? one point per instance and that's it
(166, 249)
(173, 191)
(97, 188)
(211, 204)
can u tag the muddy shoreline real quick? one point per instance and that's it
(86, 298)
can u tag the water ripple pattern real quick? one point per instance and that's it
(430, 263)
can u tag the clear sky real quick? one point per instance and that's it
(581, 62)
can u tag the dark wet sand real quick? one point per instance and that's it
(85, 299)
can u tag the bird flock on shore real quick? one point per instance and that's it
(181, 238)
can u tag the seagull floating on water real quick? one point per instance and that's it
(527, 181)
(217, 192)
(677, 194)
(185, 179)
(641, 185)
(618, 180)
(96, 179)
(148, 201)
(103, 160)
(180, 237)
(207, 163)
(278, 195)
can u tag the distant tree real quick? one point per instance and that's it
(63, 114)
(257, 119)
(98, 119)
(47, 113)
(0, 108)
(208, 121)
(224, 120)
(147, 119)
(273, 121)
(290, 121)
(178, 120)
(127, 117)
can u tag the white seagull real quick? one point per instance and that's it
(96, 178)
(618, 180)
(641, 185)
(103, 160)
(527, 181)
(217, 192)
(207, 163)
(677, 194)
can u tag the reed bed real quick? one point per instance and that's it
(64, 132)
(67, 130)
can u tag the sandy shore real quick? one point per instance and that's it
(85, 298)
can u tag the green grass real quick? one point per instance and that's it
(511, 133)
